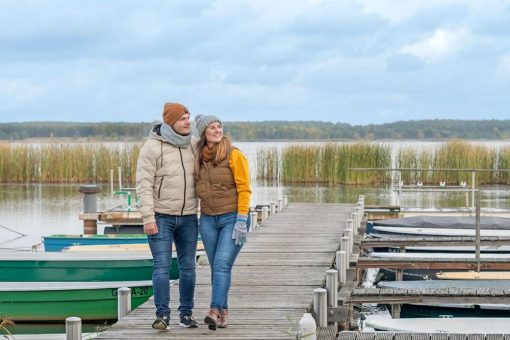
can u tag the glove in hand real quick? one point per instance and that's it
(240, 232)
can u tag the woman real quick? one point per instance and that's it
(223, 186)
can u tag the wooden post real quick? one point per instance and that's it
(123, 302)
(473, 175)
(354, 223)
(280, 204)
(320, 307)
(348, 234)
(265, 213)
(89, 192)
(273, 208)
(478, 231)
(73, 328)
(395, 308)
(112, 190)
(253, 220)
(285, 201)
(332, 287)
(119, 171)
(340, 266)
(349, 224)
(344, 245)
(358, 217)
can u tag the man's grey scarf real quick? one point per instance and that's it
(172, 137)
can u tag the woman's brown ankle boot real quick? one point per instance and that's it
(212, 318)
(222, 323)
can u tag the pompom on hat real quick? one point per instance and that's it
(203, 121)
(172, 112)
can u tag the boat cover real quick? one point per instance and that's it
(450, 222)
(494, 284)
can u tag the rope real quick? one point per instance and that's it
(14, 231)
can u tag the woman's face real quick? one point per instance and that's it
(214, 133)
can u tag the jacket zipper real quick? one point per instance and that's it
(184, 171)
(160, 185)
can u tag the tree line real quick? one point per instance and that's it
(272, 130)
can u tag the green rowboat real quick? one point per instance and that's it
(79, 266)
(55, 301)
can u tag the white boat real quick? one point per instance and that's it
(425, 231)
(439, 226)
(442, 325)
(472, 275)
(437, 255)
(461, 284)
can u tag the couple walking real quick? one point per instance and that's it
(173, 169)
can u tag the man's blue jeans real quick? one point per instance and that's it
(216, 232)
(183, 231)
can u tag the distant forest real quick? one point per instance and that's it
(272, 130)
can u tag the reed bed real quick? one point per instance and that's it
(268, 161)
(455, 154)
(66, 163)
(328, 163)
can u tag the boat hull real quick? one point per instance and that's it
(54, 243)
(75, 267)
(57, 305)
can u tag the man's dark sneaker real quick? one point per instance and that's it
(161, 323)
(188, 321)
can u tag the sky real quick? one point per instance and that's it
(351, 61)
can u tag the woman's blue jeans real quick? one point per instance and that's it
(216, 232)
(183, 231)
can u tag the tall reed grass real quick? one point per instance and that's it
(328, 163)
(455, 154)
(66, 163)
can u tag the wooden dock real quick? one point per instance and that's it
(273, 280)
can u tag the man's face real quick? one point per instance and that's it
(183, 125)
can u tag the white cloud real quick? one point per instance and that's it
(397, 11)
(442, 44)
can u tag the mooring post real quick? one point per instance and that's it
(73, 328)
(273, 208)
(477, 220)
(285, 201)
(340, 266)
(253, 220)
(332, 287)
(119, 171)
(354, 223)
(320, 307)
(348, 234)
(89, 215)
(124, 302)
(280, 204)
(344, 246)
(349, 224)
(265, 213)
(358, 217)
(112, 190)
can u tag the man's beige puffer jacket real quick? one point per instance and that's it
(164, 178)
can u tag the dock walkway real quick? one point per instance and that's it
(273, 279)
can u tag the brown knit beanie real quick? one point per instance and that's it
(172, 112)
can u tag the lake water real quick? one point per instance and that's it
(41, 209)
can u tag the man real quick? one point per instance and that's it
(168, 203)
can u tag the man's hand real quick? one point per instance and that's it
(150, 228)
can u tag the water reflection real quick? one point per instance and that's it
(41, 209)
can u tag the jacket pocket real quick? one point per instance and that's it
(157, 189)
